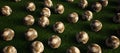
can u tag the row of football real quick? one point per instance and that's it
(55, 41)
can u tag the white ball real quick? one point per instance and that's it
(48, 3)
(59, 27)
(59, 9)
(118, 9)
(94, 48)
(83, 4)
(31, 34)
(82, 37)
(9, 49)
(116, 18)
(54, 41)
(29, 20)
(97, 7)
(96, 25)
(46, 12)
(73, 17)
(113, 42)
(73, 49)
(70, 0)
(8, 34)
(87, 15)
(31, 6)
(6, 10)
(37, 47)
(43, 21)
(104, 2)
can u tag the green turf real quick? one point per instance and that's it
(15, 22)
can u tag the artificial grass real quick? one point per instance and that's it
(15, 22)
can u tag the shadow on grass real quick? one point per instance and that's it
(63, 0)
(1, 13)
(108, 20)
(8, 1)
(113, 3)
(86, 25)
(117, 32)
(102, 44)
(24, 47)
